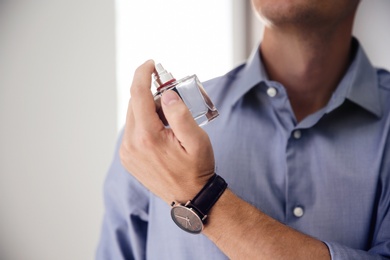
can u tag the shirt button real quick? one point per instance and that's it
(297, 134)
(272, 92)
(298, 212)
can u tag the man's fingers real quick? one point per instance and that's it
(142, 102)
(180, 120)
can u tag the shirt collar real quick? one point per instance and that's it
(250, 76)
(359, 84)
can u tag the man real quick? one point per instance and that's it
(302, 141)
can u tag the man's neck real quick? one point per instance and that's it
(308, 62)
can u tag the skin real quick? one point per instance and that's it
(306, 47)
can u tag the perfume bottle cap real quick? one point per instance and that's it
(161, 76)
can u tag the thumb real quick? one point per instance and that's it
(180, 120)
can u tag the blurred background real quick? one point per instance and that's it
(65, 71)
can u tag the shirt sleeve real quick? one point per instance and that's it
(340, 252)
(124, 229)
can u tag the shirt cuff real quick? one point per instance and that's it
(340, 252)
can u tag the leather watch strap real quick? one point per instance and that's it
(209, 194)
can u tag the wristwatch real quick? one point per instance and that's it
(192, 215)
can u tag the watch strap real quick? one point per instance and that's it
(209, 194)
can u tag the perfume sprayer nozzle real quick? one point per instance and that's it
(161, 76)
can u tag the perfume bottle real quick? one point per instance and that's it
(191, 92)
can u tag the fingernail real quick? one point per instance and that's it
(169, 97)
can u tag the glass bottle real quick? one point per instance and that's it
(190, 90)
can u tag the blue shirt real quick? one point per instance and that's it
(327, 176)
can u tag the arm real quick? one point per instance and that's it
(124, 229)
(242, 231)
(175, 164)
(252, 234)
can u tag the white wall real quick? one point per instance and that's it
(57, 125)
(186, 37)
(372, 28)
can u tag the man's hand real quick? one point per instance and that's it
(172, 163)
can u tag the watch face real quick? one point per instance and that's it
(186, 219)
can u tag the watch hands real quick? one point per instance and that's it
(186, 219)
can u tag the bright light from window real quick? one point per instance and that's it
(187, 37)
